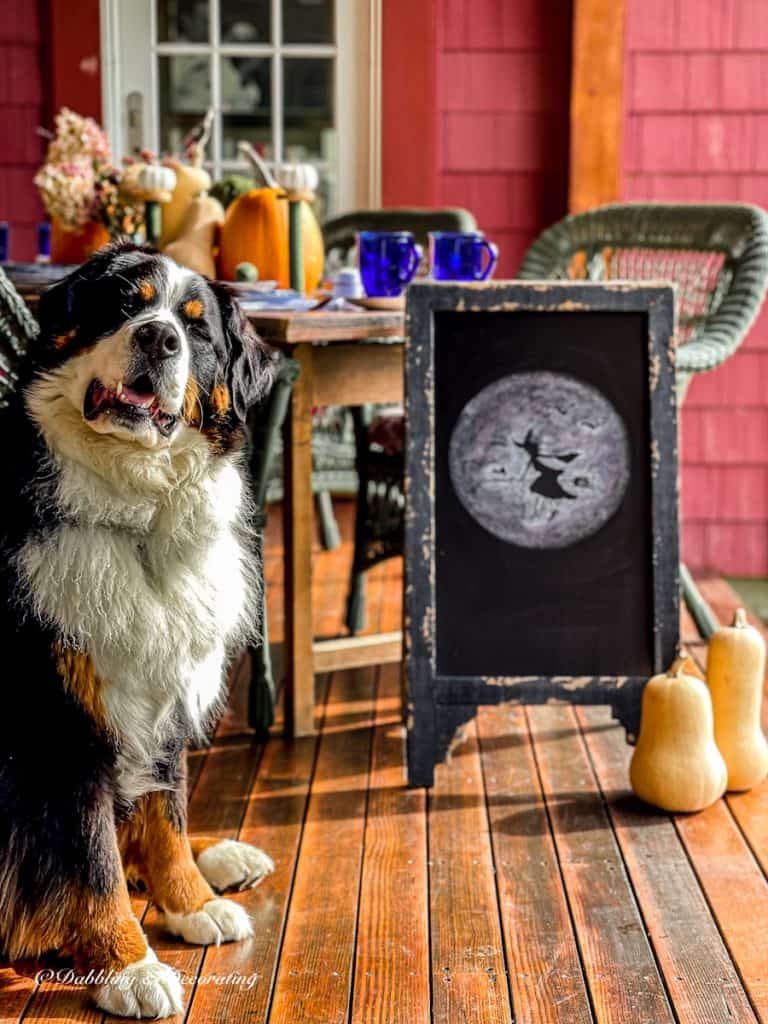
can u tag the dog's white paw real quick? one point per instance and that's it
(146, 988)
(234, 865)
(219, 921)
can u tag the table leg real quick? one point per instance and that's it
(298, 528)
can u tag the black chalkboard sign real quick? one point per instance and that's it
(541, 476)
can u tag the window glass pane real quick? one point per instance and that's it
(246, 104)
(308, 21)
(308, 104)
(185, 95)
(246, 21)
(182, 21)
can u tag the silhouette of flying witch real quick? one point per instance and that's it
(547, 484)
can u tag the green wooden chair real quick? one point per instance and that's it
(716, 254)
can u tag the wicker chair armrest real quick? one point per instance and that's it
(727, 326)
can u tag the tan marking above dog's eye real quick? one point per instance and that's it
(147, 290)
(61, 340)
(193, 309)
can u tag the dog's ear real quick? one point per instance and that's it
(250, 364)
(60, 307)
(57, 309)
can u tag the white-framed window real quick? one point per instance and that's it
(298, 79)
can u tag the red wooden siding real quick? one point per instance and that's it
(696, 127)
(409, 122)
(21, 112)
(75, 54)
(502, 105)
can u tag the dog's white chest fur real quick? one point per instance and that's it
(153, 583)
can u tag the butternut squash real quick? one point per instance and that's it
(195, 244)
(676, 765)
(735, 674)
(190, 182)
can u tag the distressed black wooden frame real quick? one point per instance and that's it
(439, 705)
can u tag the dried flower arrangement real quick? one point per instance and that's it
(78, 182)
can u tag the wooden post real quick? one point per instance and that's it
(597, 80)
(298, 525)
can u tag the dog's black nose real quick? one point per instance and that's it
(158, 340)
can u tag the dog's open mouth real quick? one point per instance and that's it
(133, 404)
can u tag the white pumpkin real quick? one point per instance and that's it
(155, 178)
(298, 177)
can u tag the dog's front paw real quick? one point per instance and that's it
(146, 988)
(234, 865)
(219, 921)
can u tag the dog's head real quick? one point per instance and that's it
(145, 350)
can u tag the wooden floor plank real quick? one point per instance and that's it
(16, 990)
(545, 972)
(273, 821)
(698, 972)
(751, 813)
(391, 984)
(736, 891)
(315, 968)
(623, 978)
(468, 967)
(749, 809)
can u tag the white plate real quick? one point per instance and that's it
(251, 286)
(381, 302)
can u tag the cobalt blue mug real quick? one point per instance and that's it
(388, 261)
(461, 256)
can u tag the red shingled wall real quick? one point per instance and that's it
(502, 76)
(696, 127)
(21, 111)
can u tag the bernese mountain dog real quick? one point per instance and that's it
(128, 581)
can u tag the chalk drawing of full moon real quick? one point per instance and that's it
(540, 459)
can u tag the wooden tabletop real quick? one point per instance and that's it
(318, 327)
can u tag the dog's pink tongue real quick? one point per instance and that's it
(129, 395)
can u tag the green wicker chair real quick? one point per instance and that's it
(264, 450)
(716, 254)
(17, 329)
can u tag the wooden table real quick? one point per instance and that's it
(345, 359)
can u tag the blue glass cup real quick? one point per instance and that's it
(388, 261)
(461, 256)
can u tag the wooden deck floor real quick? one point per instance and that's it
(528, 885)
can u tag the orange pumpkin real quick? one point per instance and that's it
(76, 246)
(255, 230)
